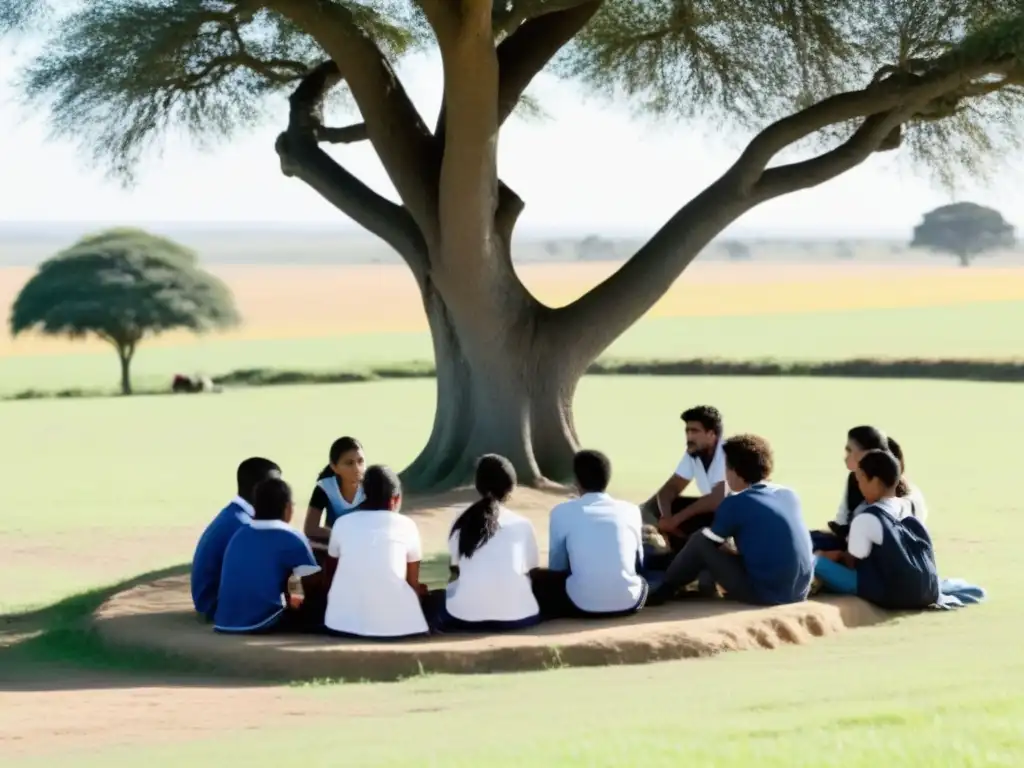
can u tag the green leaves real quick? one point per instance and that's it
(119, 74)
(122, 285)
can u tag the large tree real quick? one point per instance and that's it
(821, 84)
(122, 286)
(964, 230)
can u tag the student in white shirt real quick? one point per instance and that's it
(859, 441)
(338, 490)
(493, 551)
(677, 517)
(374, 563)
(595, 550)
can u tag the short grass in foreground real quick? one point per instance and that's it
(923, 691)
(984, 330)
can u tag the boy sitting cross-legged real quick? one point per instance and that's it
(258, 563)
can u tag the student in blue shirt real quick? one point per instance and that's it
(260, 559)
(209, 553)
(772, 562)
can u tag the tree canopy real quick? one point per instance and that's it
(122, 286)
(820, 85)
(964, 230)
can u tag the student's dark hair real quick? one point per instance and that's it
(750, 457)
(707, 416)
(380, 486)
(495, 481)
(251, 472)
(883, 465)
(593, 471)
(271, 498)
(873, 439)
(339, 448)
(869, 438)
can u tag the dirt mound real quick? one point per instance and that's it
(159, 617)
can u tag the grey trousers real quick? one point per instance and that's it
(702, 554)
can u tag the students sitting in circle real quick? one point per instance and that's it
(208, 558)
(772, 562)
(890, 560)
(859, 441)
(260, 559)
(493, 551)
(703, 463)
(596, 550)
(338, 491)
(373, 562)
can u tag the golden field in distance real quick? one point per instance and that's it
(317, 301)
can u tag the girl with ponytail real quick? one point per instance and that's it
(493, 550)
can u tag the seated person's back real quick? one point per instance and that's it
(258, 563)
(208, 559)
(766, 522)
(598, 540)
(378, 552)
(493, 550)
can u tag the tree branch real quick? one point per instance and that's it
(349, 134)
(598, 317)
(510, 208)
(302, 157)
(525, 52)
(401, 139)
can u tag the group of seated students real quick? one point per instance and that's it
(744, 537)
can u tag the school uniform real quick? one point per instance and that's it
(327, 498)
(895, 559)
(259, 560)
(208, 558)
(775, 564)
(369, 596)
(493, 591)
(835, 537)
(594, 558)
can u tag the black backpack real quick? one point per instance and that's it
(901, 573)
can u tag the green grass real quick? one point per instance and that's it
(937, 689)
(988, 330)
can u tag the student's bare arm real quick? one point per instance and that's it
(707, 503)
(845, 558)
(412, 575)
(312, 528)
(672, 488)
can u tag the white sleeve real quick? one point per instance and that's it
(716, 472)
(334, 543)
(532, 552)
(920, 507)
(453, 548)
(414, 547)
(685, 469)
(865, 533)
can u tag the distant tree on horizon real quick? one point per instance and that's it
(122, 286)
(737, 250)
(844, 250)
(965, 230)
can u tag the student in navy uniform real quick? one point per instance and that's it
(261, 558)
(772, 562)
(890, 560)
(859, 441)
(338, 491)
(209, 554)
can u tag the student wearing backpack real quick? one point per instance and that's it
(890, 560)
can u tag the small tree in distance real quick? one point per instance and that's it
(122, 286)
(737, 250)
(964, 230)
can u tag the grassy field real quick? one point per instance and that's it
(320, 318)
(102, 490)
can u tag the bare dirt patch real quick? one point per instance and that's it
(159, 616)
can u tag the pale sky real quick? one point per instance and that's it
(589, 167)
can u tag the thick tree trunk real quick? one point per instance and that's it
(500, 387)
